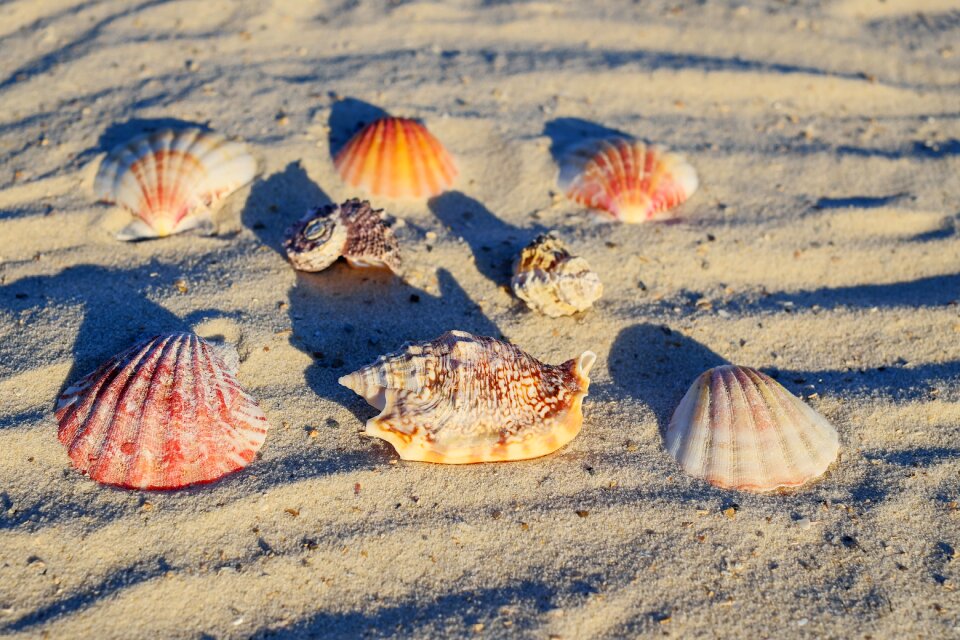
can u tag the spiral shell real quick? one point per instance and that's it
(628, 179)
(352, 230)
(166, 413)
(737, 428)
(552, 281)
(396, 158)
(172, 180)
(461, 399)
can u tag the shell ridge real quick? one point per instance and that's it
(99, 449)
(186, 173)
(197, 364)
(774, 397)
(428, 167)
(709, 426)
(761, 417)
(233, 400)
(725, 399)
(800, 414)
(96, 402)
(154, 409)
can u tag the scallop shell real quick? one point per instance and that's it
(628, 179)
(166, 413)
(461, 399)
(552, 281)
(738, 428)
(396, 158)
(353, 230)
(172, 180)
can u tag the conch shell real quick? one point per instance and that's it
(461, 399)
(353, 230)
(552, 281)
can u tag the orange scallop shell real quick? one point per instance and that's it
(628, 179)
(166, 413)
(396, 158)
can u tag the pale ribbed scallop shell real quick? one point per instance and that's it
(172, 180)
(353, 230)
(396, 158)
(628, 179)
(164, 414)
(461, 399)
(737, 428)
(552, 281)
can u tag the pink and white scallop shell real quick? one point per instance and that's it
(628, 180)
(172, 180)
(166, 413)
(738, 428)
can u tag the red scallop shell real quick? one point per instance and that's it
(396, 158)
(164, 414)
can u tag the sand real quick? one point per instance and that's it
(822, 247)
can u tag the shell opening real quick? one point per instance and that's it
(319, 229)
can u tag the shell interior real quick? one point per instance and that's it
(171, 180)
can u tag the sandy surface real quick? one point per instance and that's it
(822, 247)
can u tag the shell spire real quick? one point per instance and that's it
(352, 230)
(738, 428)
(629, 180)
(172, 180)
(461, 399)
(396, 158)
(552, 281)
(166, 413)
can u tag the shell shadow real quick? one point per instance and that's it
(278, 201)
(116, 309)
(494, 243)
(345, 318)
(348, 116)
(658, 364)
(566, 133)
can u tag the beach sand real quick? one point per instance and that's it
(821, 247)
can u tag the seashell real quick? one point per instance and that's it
(628, 179)
(353, 230)
(172, 180)
(738, 428)
(396, 158)
(166, 413)
(461, 399)
(552, 281)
